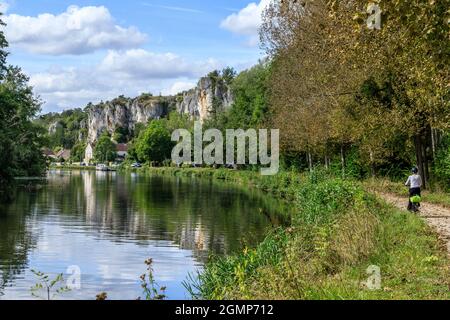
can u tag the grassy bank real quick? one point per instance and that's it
(283, 185)
(338, 231)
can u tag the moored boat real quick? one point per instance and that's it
(102, 167)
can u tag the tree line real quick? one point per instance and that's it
(375, 99)
(21, 139)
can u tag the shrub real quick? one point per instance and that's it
(320, 201)
(105, 150)
(442, 164)
(155, 143)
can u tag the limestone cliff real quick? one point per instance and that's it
(54, 127)
(124, 113)
(211, 95)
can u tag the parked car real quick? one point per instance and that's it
(136, 165)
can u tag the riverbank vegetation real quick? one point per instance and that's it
(282, 185)
(339, 236)
(21, 139)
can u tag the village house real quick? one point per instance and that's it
(122, 151)
(64, 154)
(49, 154)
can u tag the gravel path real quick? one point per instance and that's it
(438, 217)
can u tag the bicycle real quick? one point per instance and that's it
(415, 203)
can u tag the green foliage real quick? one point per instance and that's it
(138, 128)
(388, 110)
(216, 280)
(105, 149)
(151, 289)
(68, 129)
(228, 75)
(250, 89)
(250, 108)
(146, 96)
(21, 140)
(215, 77)
(355, 166)
(121, 101)
(320, 200)
(132, 151)
(120, 135)
(179, 121)
(43, 289)
(442, 163)
(154, 144)
(78, 152)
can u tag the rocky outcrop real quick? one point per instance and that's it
(82, 133)
(124, 113)
(54, 127)
(209, 96)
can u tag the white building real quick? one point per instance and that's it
(89, 154)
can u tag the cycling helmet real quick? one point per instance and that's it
(415, 170)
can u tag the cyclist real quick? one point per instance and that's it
(415, 184)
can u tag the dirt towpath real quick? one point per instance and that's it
(438, 217)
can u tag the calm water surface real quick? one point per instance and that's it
(107, 224)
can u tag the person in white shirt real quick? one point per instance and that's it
(415, 184)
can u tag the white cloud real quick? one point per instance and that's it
(61, 80)
(179, 87)
(76, 31)
(143, 64)
(128, 72)
(247, 21)
(4, 6)
(140, 63)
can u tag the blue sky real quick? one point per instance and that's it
(76, 51)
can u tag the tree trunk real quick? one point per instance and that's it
(372, 164)
(422, 163)
(343, 160)
(433, 142)
(310, 164)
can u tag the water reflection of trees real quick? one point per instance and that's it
(16, 237)
(198, 215)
